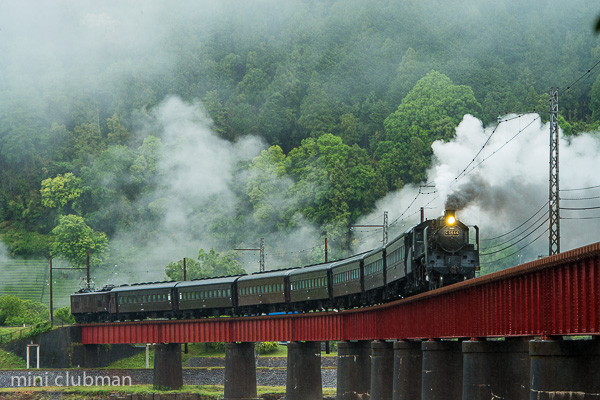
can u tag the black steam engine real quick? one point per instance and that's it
(430, 255)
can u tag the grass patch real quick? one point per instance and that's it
(89, 392)
(9, 329)
(84, 392)
(11, 361)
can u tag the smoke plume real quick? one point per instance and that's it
(505, 184)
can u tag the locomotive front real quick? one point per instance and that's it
(450, 255)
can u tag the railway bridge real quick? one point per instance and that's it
(527, 332)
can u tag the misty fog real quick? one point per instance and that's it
(71, 62)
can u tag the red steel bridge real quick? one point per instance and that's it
(553, 296)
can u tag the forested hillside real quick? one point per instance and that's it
(144, 131)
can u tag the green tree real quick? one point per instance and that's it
(16, 312)
(58, 191)
(211, 264)
(73, 238)
(431, 111)
(117, 134)
(88, 141)
(63, 316)
(316, 110)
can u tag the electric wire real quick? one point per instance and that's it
(580, 199)
(494, 152)
(515, 252)
(545, 215)
(578, 189)
(508, 233)
(588, 72)
(518, 241)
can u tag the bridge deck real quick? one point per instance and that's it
(557, 295)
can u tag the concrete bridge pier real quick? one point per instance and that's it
(353, 370)
(240, 371)
(304, 371)
(382, 370)
(408, 361)
(495, 370)
(565, 369)
(442, 370)
(168, 371)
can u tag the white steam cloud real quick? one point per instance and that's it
(198, 182)
(505, 184)
(202, 182)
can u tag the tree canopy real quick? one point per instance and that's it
(345, 97)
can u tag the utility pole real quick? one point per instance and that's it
(51, 300)
(554, 205)
(261, 249)
(384, 226)
(52, 285)
(262, 255)
(88, 269)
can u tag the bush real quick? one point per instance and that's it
(268, 347)
(63, 316)
(16, 312)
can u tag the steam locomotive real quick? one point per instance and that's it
(428, 256)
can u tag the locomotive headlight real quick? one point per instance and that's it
(450, 217)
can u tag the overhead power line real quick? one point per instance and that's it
(518, 250)
(518, 227)
(588, 72)
(518, 241)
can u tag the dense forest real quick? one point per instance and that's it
(144, 131)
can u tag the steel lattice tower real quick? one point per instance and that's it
(554, 215)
